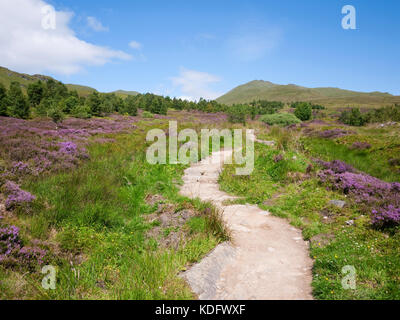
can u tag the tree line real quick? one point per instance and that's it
(354, 117)
(52, 98)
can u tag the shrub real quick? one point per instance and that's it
(70, 103)
(280, 119)
(12, 251)
(303, 111)
(317, 107)
(360, 146)
(3, 101)
(129, 106)
(35, 93)
(81, 112)
(56, 115)
(353, 117)
(391, 113)
(17, 104)
(147, 114)
(237, 114)
(16, 196)
(333, 133)
(265, 107)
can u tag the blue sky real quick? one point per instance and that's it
(191, 48)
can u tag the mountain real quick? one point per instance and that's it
(124, 94)
(265, 90)
(7, 76)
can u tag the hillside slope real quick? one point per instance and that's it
(7, 76)
(265, 90)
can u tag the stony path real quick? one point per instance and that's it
(267, 259)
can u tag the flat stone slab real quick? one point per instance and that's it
(338, 203)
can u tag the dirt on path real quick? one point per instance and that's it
(267, 258)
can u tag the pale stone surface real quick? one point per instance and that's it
(267, 259)
(338, 203)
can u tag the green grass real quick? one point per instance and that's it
(93, 221)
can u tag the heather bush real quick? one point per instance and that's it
(360, 146)
(13, 253)
(9, 241)
(16, 197)
(280, 119)
(36, 147)
(378, 198)
(333, 133)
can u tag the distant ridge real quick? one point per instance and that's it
(124, 93)
(266, 90)
(7, 76)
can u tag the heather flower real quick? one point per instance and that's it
(336, 166)
(16, 196)
(333, 133)
(396, 187)
(9, 241)
(68, 148)
(20, 168)
(368, 191)
(11, 249)
(360, 146)
(32, 254)
(386, 216)
(31, 146)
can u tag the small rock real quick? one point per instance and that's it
(338, 203)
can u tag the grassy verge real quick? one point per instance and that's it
(102, 224)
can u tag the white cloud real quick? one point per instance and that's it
(26, 46)
(253, 44)
(195, 84)
(96, 25)
(135, 45)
